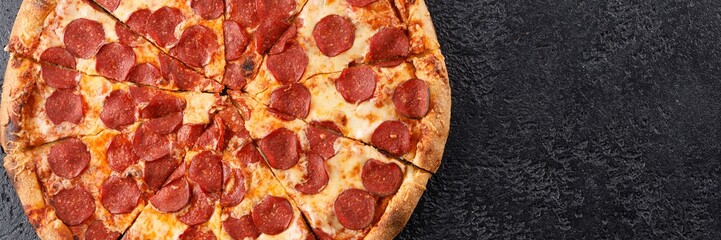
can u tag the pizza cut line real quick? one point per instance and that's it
(212, 119)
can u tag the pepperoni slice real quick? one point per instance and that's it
(249, 154)
(360, 3)
(275, 9)
(381, 179)
(73, 205)
(165, 125)
(389, 44)
(243, 12)
(55, 76)
(285, 40)
(98, 231)
(150, 146)
(235, 75)
(142, 95)
(177, 174)
(282, 149)
(291, 101)
(163, 22)
(145, 74)
(188, 134)
(393, 137)
(109, 5)
(356, 84)
(83, 37)
(120, 153)
(321, 141)
(172, 197)
(236, 40)
(119, 195)
(354, 208)
(272, 215)
(126, 36)
(268, 33)
(289, 65)
(327, 125)
(213, 138)
(64, 106)
(183, 77)
(207, 9)
(197, 233)
(157, 171)
(232, 119)
(334, 35)
(200, 210)
(114, 61)
(69, 158)
(118, 110)
(162, 105)
(412, 98)
(234, 190)
(138, 21)
(241, 228)
(316, 178)
(196, 46)
(206, 169)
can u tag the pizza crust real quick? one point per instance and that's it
(401, 207)
(28, 27)
(18, 84)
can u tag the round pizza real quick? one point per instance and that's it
(223, 119)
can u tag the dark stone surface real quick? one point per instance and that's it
(571, 120)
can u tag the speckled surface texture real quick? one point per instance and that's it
(571, 120)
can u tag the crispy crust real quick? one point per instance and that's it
(20, 77)
(401, 207)
(418, 20)
(28, 27)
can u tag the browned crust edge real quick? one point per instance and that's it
(418, 20)
(20, 76)
(401, 207)
(28, 26)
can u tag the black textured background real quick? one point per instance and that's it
(571, 119)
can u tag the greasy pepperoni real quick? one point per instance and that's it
(98, 231)
(109, 5)
(291, 101)
(389, 44)
(142, 95)
(188, 134)
(157, 171)
(249, 154)
(356, 84)
(236, 40)
(201, 208)
(126, 36)
(268, 33)
(285, 40)
(162, 105)
(177, 174)
(206, 169)
(73, 205)
(234, 190)
(289, 65)
(354, 208)
(138, 21)
(145, 74)
(275, 9)
(412, 98)
(161, 25)
(381, 179)
(272, 215)
(114, 61)
(183, 77)
(119, 195)
(334, 35)
(55, 76)
(150, 146)
(393, 137)
(165, 125)
(84, 37)
(120, 153)
(241, 228)
(172, 197)
(197, 233)
(243, 12)
(282, 149)
(207, 9)
(360, 3)
(235, 75)
(196, 46)
(321, 141)
(316, 177)
(118, 110)
(232, 119)
(213, 138)
(64, 106)
(69, 158)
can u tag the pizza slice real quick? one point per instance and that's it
(192, 33)
(327, 36)
(250, 29)
(345, 189)
(75, 34)
(400, 110)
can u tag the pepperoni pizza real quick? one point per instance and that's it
(212, 119)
